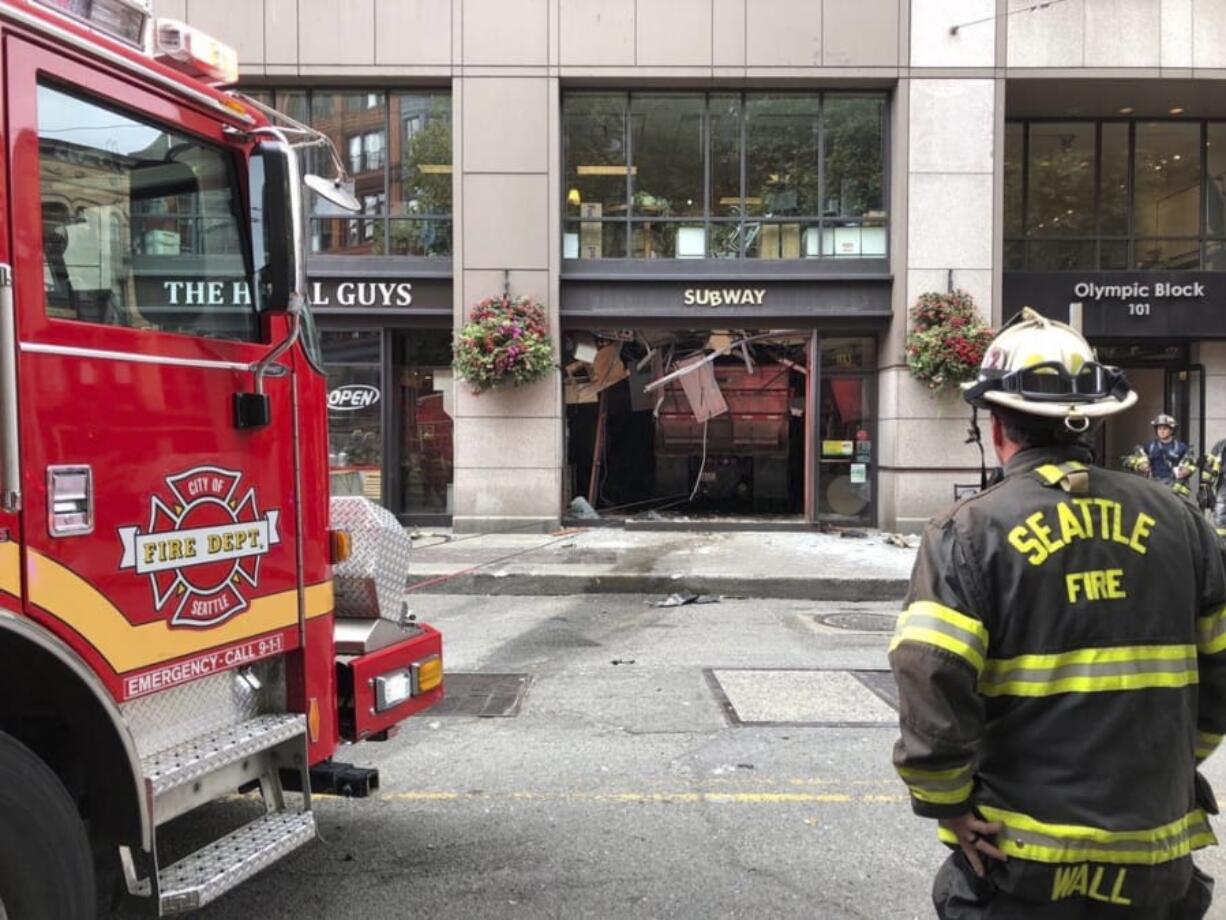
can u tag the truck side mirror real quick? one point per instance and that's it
(279, 274)
(278, 268)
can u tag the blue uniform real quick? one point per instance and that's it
(1164, 457)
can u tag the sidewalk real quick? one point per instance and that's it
(799, 565)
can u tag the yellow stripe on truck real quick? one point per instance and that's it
(70, 598)
(10, 567)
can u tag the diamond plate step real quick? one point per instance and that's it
(226, 863)
(187, 762)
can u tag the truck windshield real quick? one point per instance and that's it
(142, 226)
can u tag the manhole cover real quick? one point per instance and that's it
(860, 622)
(488, 696)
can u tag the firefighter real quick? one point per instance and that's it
(1213, 486)
(1061, 662)
(1165, 458)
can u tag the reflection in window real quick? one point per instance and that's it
(666, 136)
(854, 156)
(1060, 194)
(1114, 180)
(1215, 180)
(781, 162)
(596, 175)
(1168, 179)
(724, 112)
(140, 224)
(723, 175)
(397, 148)
(1015, 153)
(1114, 195)
(421, 177)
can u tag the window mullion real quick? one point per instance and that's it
(629, 132)
(385, 217)
(821, 179)
(707, 190)
(743, 225)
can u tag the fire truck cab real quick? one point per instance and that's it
(183, 612)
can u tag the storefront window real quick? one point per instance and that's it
(597, 175)
(1060, 195)
(854, 157)
(666, 178)
(397, 149)
(694, 176)
(724, 113)
(1114, 195)
(1114, 181)
(1215, 180)
(421, 175)
(781, 140)
(352, 360)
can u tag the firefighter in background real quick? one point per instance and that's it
(1165, 458)
(1213, 486)
(1061, 662)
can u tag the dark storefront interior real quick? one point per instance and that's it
(666, 423)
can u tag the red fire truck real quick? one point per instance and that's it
(183, 613)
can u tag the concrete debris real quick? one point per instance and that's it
(581, 509)
(902, 541)
(852, 534)
(682, 600)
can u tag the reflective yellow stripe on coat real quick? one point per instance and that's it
(1038, 841)
(1211, 631)
(1091, 670)
(935, 624)
(1206, 744)
(940, 787)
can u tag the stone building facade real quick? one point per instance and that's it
(1051, 154)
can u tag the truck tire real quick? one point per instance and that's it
(46, 869)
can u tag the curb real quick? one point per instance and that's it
(594, 581)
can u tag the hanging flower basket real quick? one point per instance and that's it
(947, 340)
(505, 343)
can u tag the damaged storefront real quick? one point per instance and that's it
(718, 401)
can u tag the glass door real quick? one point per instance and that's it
(1186, 389)
(847, 418)
(352, 359)
(424, 411)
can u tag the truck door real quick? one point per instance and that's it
(158, 539)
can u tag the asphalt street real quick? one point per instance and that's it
(603, 757)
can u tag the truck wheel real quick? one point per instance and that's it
(46, 869)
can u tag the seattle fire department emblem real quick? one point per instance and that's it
(202, 547)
